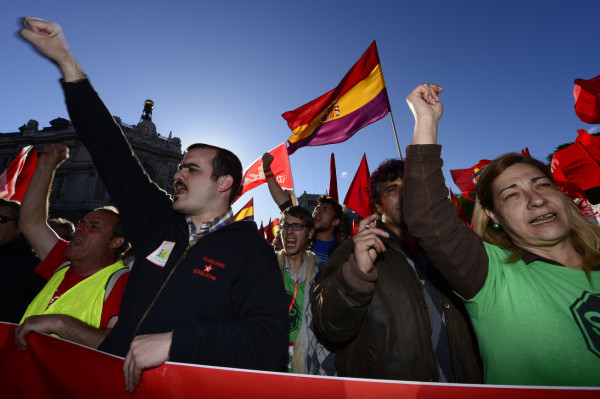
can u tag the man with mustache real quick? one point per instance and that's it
(204, 289)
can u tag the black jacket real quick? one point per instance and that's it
(381, 324)
(19, 284)
(222, 298)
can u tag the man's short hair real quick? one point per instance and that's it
(338, 212)
(388, 170)
(13, 205)
(117, 230)
(225, 163)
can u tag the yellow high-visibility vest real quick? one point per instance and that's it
(84, 301)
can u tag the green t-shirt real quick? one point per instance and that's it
(537, 323)
(296, 299)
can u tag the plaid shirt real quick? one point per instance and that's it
(208, 227)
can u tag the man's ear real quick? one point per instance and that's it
(116, 242)
(224, 183)
(336, 222)
(378, 208)
(311, 233)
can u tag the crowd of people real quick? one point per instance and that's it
(415, 294)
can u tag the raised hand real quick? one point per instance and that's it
(425, 104)
(267, 160)
(53, 155)
(48, 38)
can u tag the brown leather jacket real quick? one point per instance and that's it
(380, 322)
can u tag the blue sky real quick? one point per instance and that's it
(224, 72)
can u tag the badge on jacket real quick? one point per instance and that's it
(160, 256)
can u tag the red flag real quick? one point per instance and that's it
(269, 231)
(587, 99)
(358, 198)
(591, 143)
(254, 175)
(15, 179)
(359, 100)
(526, 153)
(261, 230)
(577, 166)
(459, 210)
(333, 192)
(465, 178)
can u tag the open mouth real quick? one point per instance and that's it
(549, 217)
(180, 188)
(76, 241)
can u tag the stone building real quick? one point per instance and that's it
(77, 187)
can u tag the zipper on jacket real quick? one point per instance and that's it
(160, 290)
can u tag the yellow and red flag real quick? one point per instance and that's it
(359, 100)
(246, 213)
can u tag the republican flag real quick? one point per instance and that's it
(358, 198)
(15, 179)
(465, 179)
(587, 99)
(275, 227)
(254, 175)
(246, 213)
(359, 100)
(333, 191)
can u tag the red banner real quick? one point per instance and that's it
(254, 175)
(54, 368)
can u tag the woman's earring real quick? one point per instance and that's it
(496, 225)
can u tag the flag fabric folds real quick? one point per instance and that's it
(16, 178)
(246, 213)
(359, 100)
(587, 99)
(333, 191)
(254, 175)
(358, 197)
(465, 179)
(269, 235)
(576, 164)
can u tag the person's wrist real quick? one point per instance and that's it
(268, 172)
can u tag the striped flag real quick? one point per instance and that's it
(359, 100)
(246, 213)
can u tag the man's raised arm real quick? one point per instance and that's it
(49, 40)
(279, 195)
(34, 208)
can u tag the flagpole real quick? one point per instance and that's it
(395, 134)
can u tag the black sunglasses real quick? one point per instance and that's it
(6, 219)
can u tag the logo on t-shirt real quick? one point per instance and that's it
(160, 255)
(586, 311)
